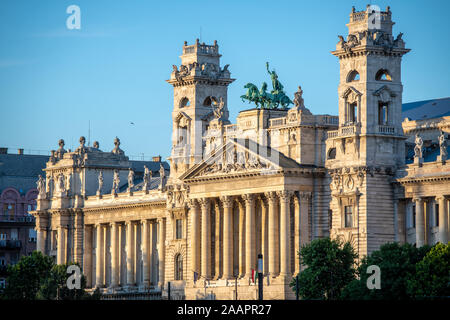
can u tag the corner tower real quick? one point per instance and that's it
(200, 84)
(366, 150)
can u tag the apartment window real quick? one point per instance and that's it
(2, 283)
(2, 259)
(14, 234)
(32, 235)
(2, 236)
(9, 209)
(179, 228)
(178, 267)
(31, 207)
(414, 216)
(382, 113)
(348, 216)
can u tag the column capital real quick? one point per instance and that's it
(271, 196)
(305, 195)
(227, 201)
(248, 198)
(193, 203)
(204, 202)
(440, 197)
(415, 199)
(144, 221)
(285, 195)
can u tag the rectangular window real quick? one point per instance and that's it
(382, 114)
(353, 112)
(32, 235)
(414, 216)
(2, 283)
(2, 236)
(179, 228)
(348, 212)
(14, 234)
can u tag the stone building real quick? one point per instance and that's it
(268, 184)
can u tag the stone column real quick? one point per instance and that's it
(114, 255)
(195, 235)
(304, 218)
(120, 248)
(40, 241)
(66, 245)
(145, 253)
(227, 204)
(61, 246)
(98, 257)
(241, 239)
(250, 255)
(443, 222)
(162, 249)
(272, 232)
(264, 235)
(206, 239)
(130, 253)
(78, 236)
(151, 253)
(420, 223)
(105, 257)
(87, 259)
(285, 228)
(136, 255)
(217, 243)
(297, 232)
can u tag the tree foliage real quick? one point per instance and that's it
(330, 266)
(397, 265)
(37, 277)
(432, 276)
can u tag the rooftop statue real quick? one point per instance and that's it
(266, 100)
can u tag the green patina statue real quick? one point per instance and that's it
(264, 99)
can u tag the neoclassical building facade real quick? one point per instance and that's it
(268, 184)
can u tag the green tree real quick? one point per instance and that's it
(330, 266)
(27, 276)
(397, 265)
(37, 277)
(432, 277)
(55, 286)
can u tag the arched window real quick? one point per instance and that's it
(353, 76)
(332, 153)
(185, 102)
(210, 101)
(383, 75)
(178, 267)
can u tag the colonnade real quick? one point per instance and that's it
(424, 221)
(126, 254)
(275, 224)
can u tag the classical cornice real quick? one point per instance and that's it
(158, 204)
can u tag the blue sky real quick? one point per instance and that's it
(53, 81)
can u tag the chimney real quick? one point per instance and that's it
(157, 159)
(3, 150)
(20, 151)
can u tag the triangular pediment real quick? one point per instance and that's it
(180, 115)
(351, 90)
(384, 93)
(241, 156)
